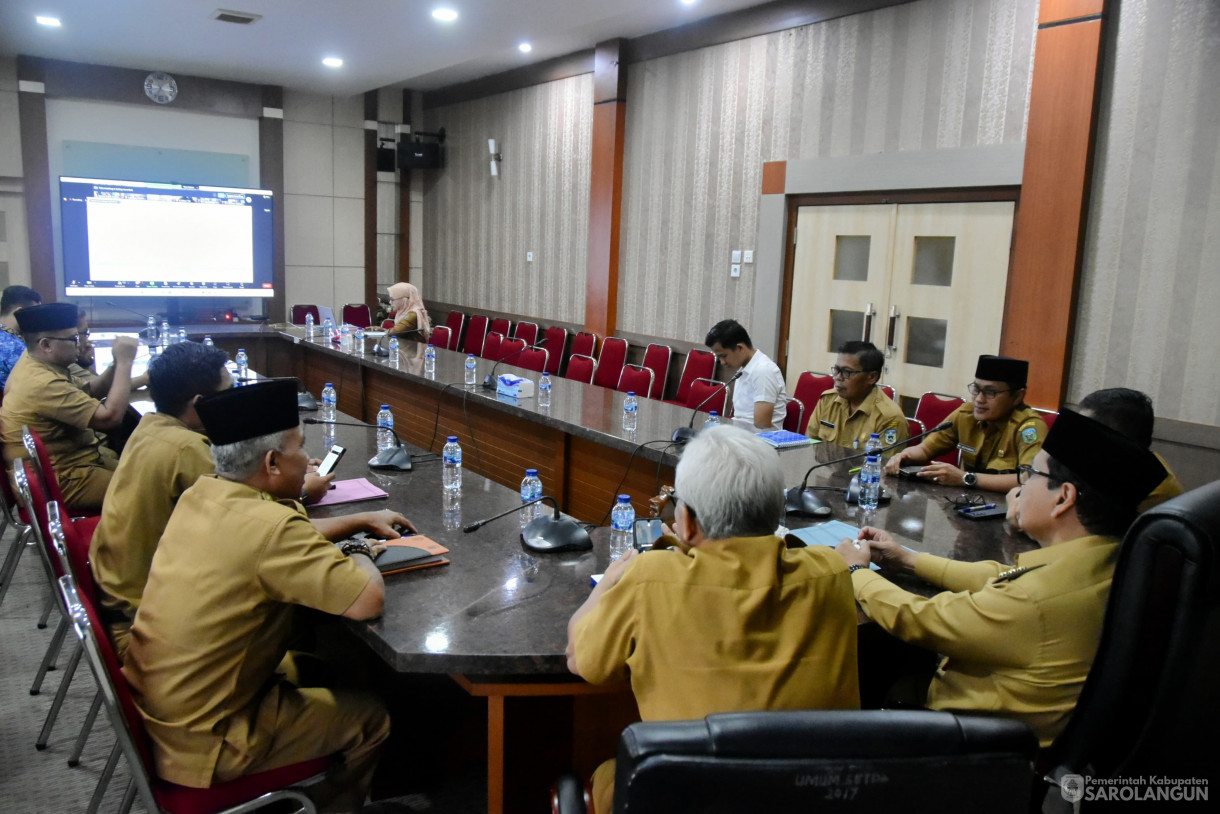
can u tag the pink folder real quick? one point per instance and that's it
(351, 491)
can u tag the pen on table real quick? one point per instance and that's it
(854, 471)
(970, 509)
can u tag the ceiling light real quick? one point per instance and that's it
(332, 62)
(53, 22)
(688, 2)
(525, 48)
(445, 15)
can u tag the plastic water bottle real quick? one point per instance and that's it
(451, 509)
(870, 483)
(385, 428)
(152, 329)
(622, 522)
(345, 337)
(309, 328)
(451, 475)
(393, 348)
(243, 363)
(631, 416)
(544, 390)
(182, 335)
(359, 341)
(470, 370)
(328, 436)
(429, 359)
(873, 447)
(207, 340)
(713, 420)
(165, 333)
(328, 329)
(531, 488)
(330, 400)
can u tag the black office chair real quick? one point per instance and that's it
(1150, 697)
(911, 761)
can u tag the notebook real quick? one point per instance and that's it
(351, 491)
(784, 439)
(410, 553)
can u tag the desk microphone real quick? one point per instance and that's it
(802, 500)
(489, 381)
(546, 532)
(684, 434)
(145, 333)
(381, 346)
(396, 458)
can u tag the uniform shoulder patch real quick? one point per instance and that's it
(890, 436)
(1029, 434)
(1013, 573)
(827, 392)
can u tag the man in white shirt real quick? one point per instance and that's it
(759, 393)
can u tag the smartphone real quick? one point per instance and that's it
(331, 460)
(983, 514)
(910, 471)
(647, 530)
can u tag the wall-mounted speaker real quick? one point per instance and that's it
(420, 155)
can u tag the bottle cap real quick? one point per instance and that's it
(385, 406)
(531, 473)
(452, 439)
(631, 393)
(624, 498)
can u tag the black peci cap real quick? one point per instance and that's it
(53, 316)
(242, 413)
(1107, 461)
(1002, 369)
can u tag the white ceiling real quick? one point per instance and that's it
(382, 42)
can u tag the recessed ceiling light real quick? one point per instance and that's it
(332, 62)
(525, 48)
(53, 22)
(445, 15)
(689, 2)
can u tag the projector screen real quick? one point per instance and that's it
(141, 239)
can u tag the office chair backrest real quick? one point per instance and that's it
(533, 359)
(585, 344)
(810, 386)
(554, 340)
(440, 337)
(815, 761)
(610, 363)
(656, 359)
(1048, 416)
(699, 364)
(476, 332)
(635, 379)
(1148, 704)
(527, 331)
(299, 312)
(454, 322)
(501, 325)
(701, 389)
(357, 315)
(932, 409)
(795, 415)
(492, 345)
(914, 427)
(580, 368)
(511, 347)
(889, 391)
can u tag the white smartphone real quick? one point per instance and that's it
(331, 460)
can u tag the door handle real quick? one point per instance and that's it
(892, 330)
(869, 311)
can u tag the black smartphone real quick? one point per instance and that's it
(647, 530)
(983, 514)
(910, 471)
(331, 460)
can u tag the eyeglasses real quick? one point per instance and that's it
(1024, 471)
(965, 501)
(986, 392)
(74, 338)
(843, 372)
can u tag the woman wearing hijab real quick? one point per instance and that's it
(410, 316)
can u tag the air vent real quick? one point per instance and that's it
(238, 17)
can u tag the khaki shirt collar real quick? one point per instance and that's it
(1049, 554)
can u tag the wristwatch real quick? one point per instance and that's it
(355, 547)
(851, 569)
(970, 480)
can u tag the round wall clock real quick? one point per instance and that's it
(160, 87)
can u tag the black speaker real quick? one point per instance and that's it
(385, 159)
(420, 155)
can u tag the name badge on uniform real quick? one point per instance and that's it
(969, 450)
(830, 424)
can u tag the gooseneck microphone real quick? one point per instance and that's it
(396, 458)
(802, 500)
(547, 532)
(489, 381)
(684, 434)
(144, 332)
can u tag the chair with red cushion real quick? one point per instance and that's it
(502, 326)
(16, 516)
(933, 408)
(357, 315)
(554, 340)
(1048, 416)
(533, 359)
(510, 350)
(454, 323)
(610, 363)
(794, 418)
(440, 337)
(809, 388)
(585, 344)
(580, 368)
(656, 359)
(299, 312)
(699, 364)
(37, 452)
(491, 346)
(387, 324)
(635, 379)
(914, 428)
(476, 333)
(701, 389)
(527, 331)
(889, 391)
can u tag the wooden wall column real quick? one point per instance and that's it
(371, 110)
(605, 188)
(271, 176)
(1040, 306)
(36, 171)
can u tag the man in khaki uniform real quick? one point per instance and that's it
(856, 408)
(40, 393)
(237, 558)
(731, 619)
(1019, 641)
(995, 432)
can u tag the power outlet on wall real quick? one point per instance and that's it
(529, 257)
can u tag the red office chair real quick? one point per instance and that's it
(37, 452)
(610, 363)
(357, 315)
(554, 340)
(656, 359)
(16, 516)
(511, 348)
(914, 428)
(794, 418)
(1048, 416)
(299, 312)
(635, 379)
(580, 368)
(699, 364)
(502, 326)
(440, 337)
(454, 322)
(527, 331)
(533, 359)
(700, 389)
(933, 408)
(889, 391)
(585, 344)
(809, 389)
(387, 324)
(476, 332)
(492, 346)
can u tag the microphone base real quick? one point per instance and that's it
(306, 401)
(853, 492)
(380, 351)
(682, 435)
(396, 459)
(488, 382)
(548, 533)
(805, 502)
